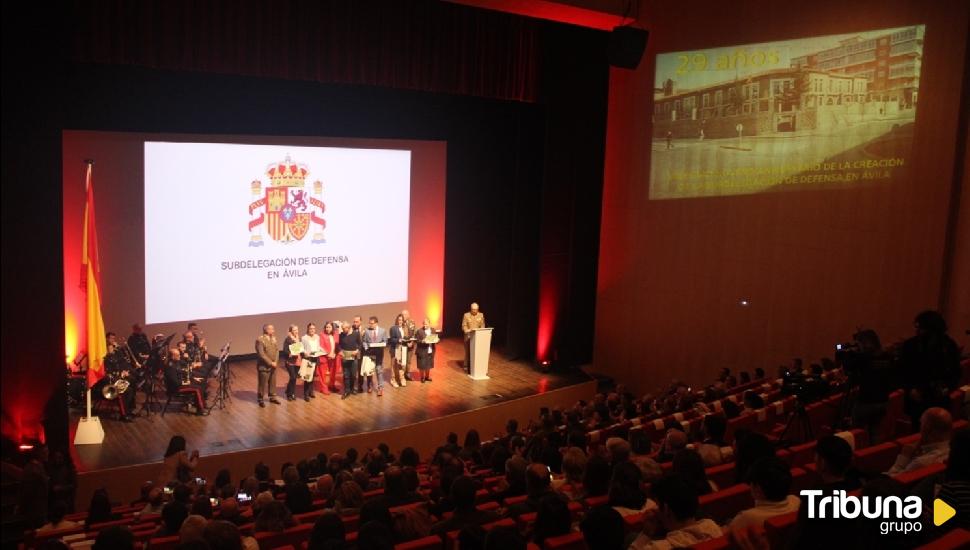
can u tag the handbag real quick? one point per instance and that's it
(306, 371)
(366, 366)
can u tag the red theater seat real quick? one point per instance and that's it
(570, 541)
(430, 542)
(801, 454)
(164, 543)
(593, 502)
(722, 475)
(720, 543)
(724, 504)
(292, 536)
(878, 458)
(778, 528)
(909, 479)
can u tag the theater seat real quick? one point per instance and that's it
(431, 542)
(164, 543)
(292, 536)
(726, 503)
(801, 454)
(878, 458)
(778, 528)
(720, 543)
(570, 541)
(911, 478)
(723, 475)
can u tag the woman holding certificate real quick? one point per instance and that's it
(293, 350)
(427, 339)
(311, 354)
(327, 363)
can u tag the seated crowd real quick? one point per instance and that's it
(587, 471)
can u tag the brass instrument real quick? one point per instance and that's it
(114, 389)
(117, 384)
(132, 358)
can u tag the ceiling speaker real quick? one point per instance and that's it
(626, 46)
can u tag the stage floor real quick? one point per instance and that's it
(242, 425)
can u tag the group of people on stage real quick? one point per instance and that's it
(139, 363)
(359, 350)
(313, 357)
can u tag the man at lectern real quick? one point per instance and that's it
(470, 321)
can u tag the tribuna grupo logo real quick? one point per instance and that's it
(286, 208)
(899, 514)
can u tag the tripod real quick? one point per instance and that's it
(224, 373)
(150, 385)
(798, 416)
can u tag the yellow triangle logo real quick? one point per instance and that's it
(942, 512)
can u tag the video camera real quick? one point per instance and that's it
(806, 387)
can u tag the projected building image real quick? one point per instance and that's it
(786, 114)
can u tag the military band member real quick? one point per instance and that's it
(139, 344)
(117, 366)
(267, 359)
(179, 379)
(470, 321)
(375, 335)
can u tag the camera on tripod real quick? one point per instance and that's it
(805, 387)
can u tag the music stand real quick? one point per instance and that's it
(224, 373)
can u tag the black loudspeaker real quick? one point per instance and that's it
(626, 46)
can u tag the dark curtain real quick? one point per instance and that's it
(411, 44)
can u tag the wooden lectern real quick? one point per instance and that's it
(481, 344)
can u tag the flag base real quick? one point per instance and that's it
(89, 431)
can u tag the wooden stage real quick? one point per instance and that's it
(419, 415)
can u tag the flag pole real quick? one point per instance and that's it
(89, 429)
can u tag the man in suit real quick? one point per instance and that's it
(470, 321)
(267, 359)
(375, 335)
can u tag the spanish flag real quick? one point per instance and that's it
(91, 278)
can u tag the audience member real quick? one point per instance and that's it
(553, 518)
(833, 458)
(55, 517)
(689, 464)
(116, 537)
(748, 448)
(273, 517)
(537, 486)
(99, 510)
(625, 494)
(173, 514)
(677, 504)
(462, 495)
(770, 480)
(933, 447)
(192, 529)
(328, 528)
(603, 528)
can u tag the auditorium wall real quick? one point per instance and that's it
(687, 286)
